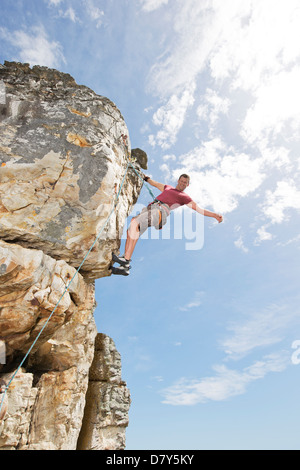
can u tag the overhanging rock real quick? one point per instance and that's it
(62, 158)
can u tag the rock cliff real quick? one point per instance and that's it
(62, 160)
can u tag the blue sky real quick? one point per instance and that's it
(207, 323)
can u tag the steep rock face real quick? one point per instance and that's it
(46, 399)
(62, 161)
(108, 400)
(63, 155)
(31, 285)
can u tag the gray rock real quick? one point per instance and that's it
(63, 158)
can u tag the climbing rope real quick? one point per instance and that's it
(66, 288)
(146, 185)
(124, 138)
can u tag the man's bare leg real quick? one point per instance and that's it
(133, 234)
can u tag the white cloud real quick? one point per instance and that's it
(285, 197)
(70, 13)
(262, 235)
(170, 118)
(169, 157)
(226, 383)
(276, 110)
(275, 156)
(88, 7)
(35, 47)
(227, 37)
(240, 245)
(94, 12)
(220, 175)
(289, 242)
(262, 329)
(191, 44)
(245, 42)
(212, 107)
(196, 301)
(166, 170)
(158, 378)
(151, 5)
(207, 155)
(257, 40)
(55, 2)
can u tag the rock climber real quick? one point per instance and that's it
(156, 214)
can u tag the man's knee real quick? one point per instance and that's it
(134, 225)
(134, 229)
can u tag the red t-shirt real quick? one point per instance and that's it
(173, 198)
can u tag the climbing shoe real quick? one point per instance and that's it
(121, 270)
(121, 260)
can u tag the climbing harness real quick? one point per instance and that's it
(156, 202)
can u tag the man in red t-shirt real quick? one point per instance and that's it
(155, 214)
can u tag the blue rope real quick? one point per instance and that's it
(146, 185)
(125, 137)
(66, 289)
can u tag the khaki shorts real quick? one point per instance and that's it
(153, 215)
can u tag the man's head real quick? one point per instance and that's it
(183, 182)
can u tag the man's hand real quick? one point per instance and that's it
(205, 212)
(157, 185)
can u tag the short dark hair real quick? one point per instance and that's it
(184, 175)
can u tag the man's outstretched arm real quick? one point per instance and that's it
(205, 212)
(157, 185)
